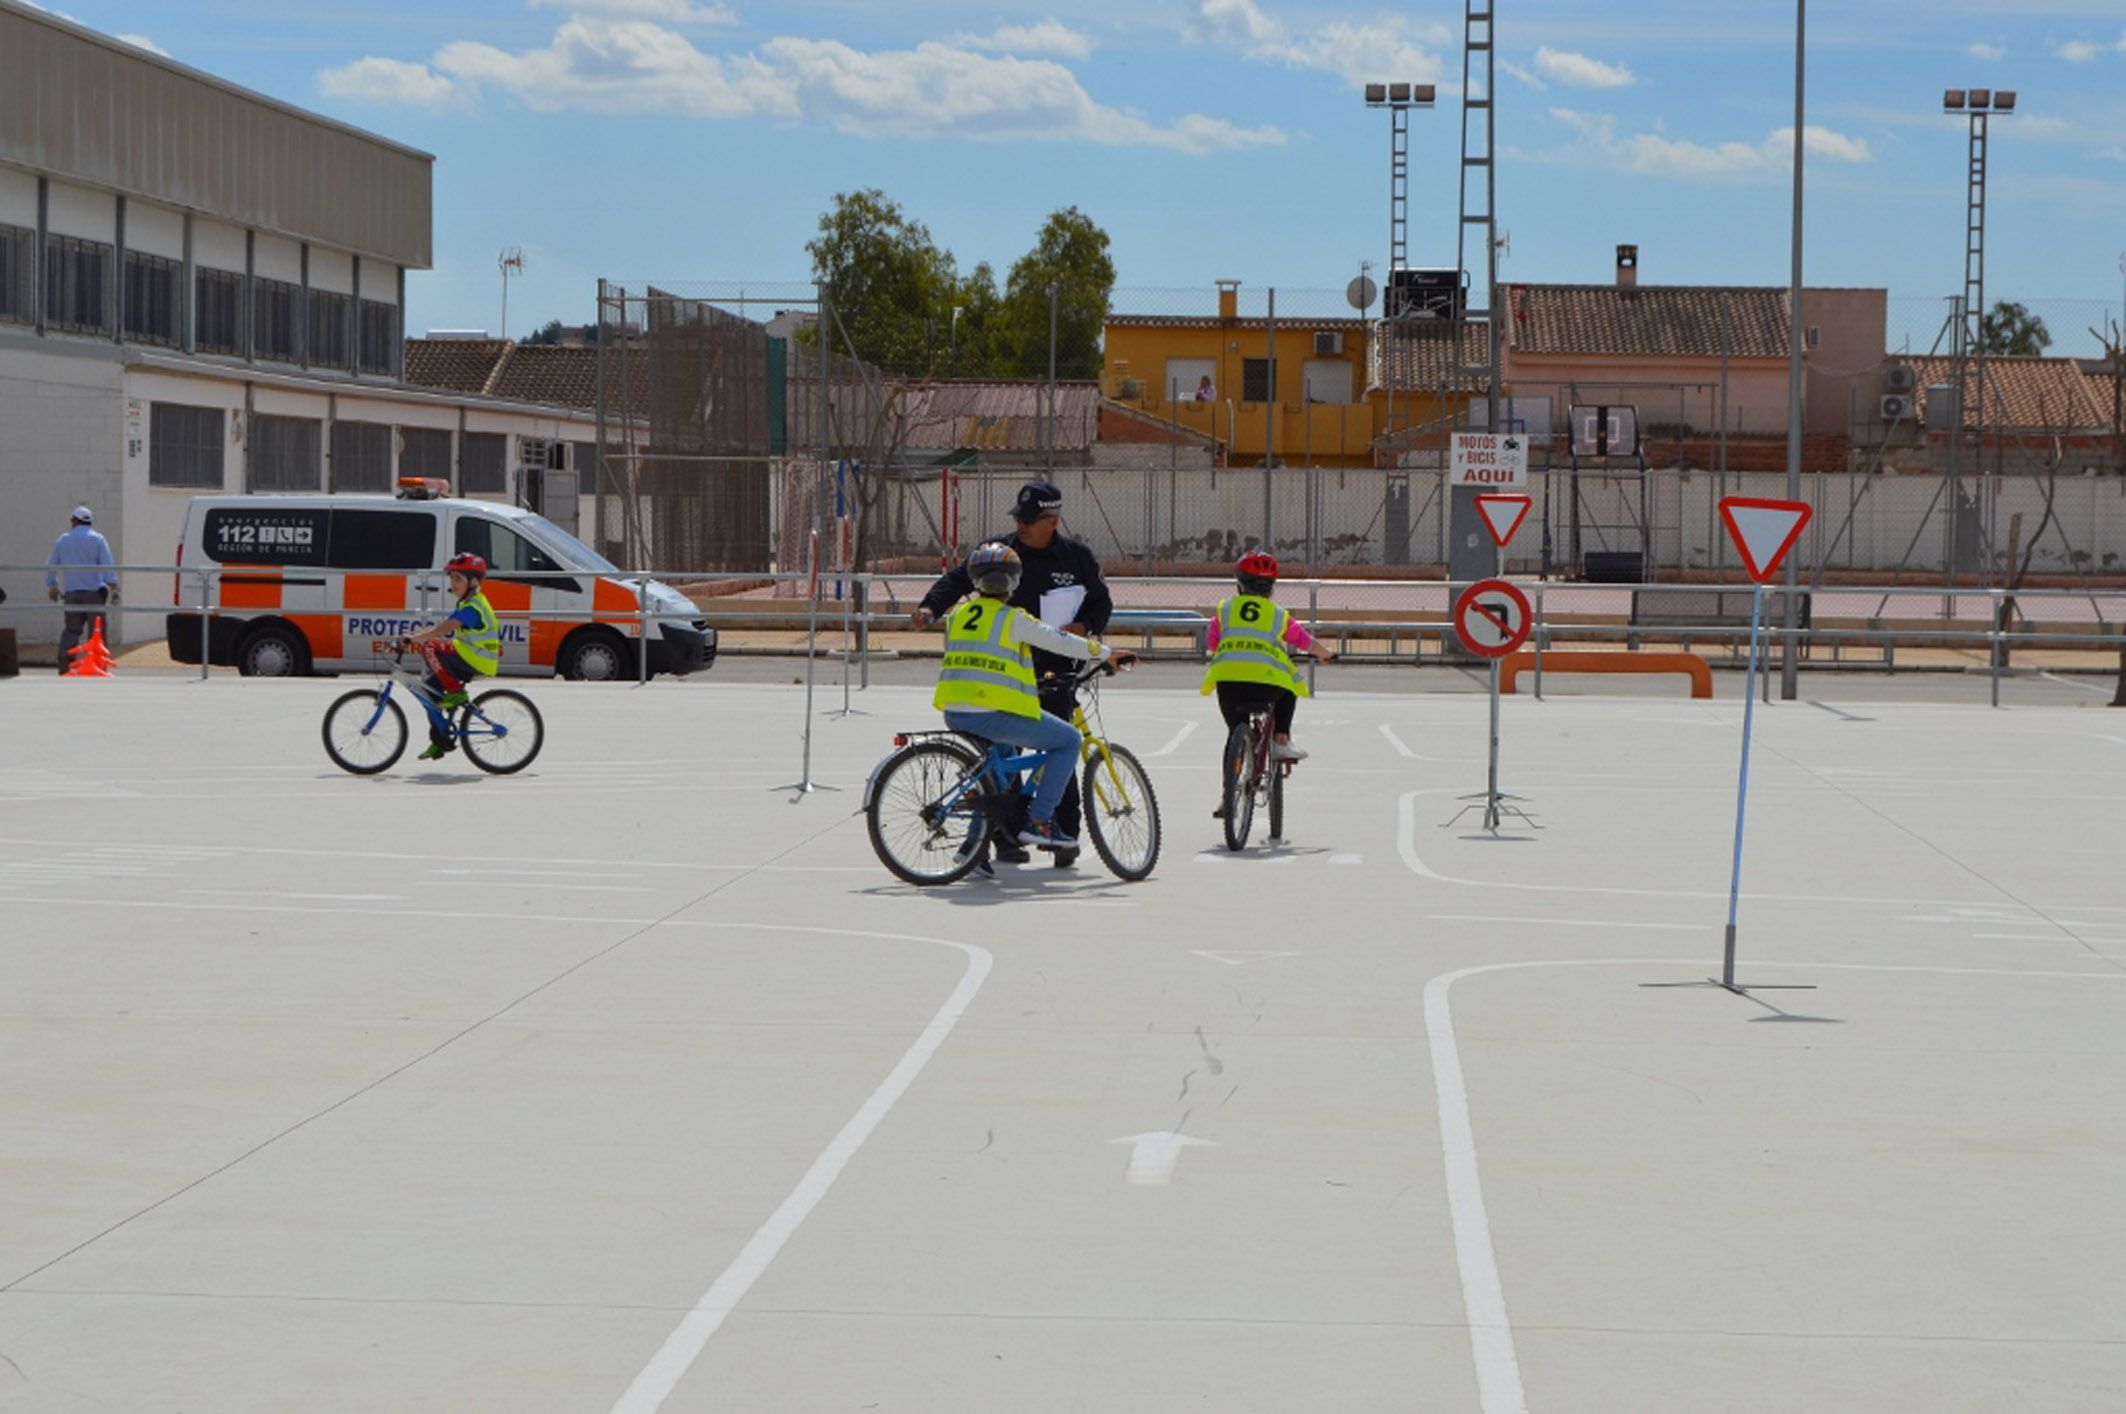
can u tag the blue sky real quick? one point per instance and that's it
(700, 139)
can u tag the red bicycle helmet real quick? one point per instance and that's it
(1257, 572)
(468, 564)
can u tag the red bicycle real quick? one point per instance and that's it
(1253, 776)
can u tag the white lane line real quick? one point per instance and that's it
(2070, 682)
(1347, 859)
(1406, 846)
(1401, 750)
(1498, 1371)
(1179, 737)
(539, 873)
(528, 884)
(1563, 922)
(670, 1364)
(605, 865)
(274, 893)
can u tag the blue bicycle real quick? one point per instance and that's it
(365, 731)
(934, 804)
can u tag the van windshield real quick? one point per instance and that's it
(554, 535)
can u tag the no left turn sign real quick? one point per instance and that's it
(1492, 618)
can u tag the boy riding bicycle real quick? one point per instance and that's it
(1251, 642)
(986, 684)
(473, 649)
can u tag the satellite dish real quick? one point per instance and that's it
(1361, 293)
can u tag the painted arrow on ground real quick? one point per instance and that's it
(1154, 1157)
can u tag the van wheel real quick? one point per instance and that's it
(274, 651)
(596, 655)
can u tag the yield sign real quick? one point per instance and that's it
(1503, 514)
(1763, 531)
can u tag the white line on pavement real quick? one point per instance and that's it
(1179, 737)
(670, 1364)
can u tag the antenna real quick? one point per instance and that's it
(509, 262)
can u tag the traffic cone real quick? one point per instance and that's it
(92, 658)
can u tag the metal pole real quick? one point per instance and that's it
(1269, 419)
(206, 618)
(1789, 667)
(1051, 437)
(1491, 788)
(642, 630)
(598, 456)
(1742, 791)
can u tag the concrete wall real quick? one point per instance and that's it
(1843, 374)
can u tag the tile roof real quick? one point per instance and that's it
(2101, 391)
(548, 373)
(2024, 392)
(458, 365)
(1419, 357)
(1647, 320)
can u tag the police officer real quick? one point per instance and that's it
(1060, 585)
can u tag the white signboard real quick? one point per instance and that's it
(1489, 461)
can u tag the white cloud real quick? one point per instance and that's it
(1524, 75)
(1658, 155)
(141, 41)
(388, 81)
(1050, 36)
(676, 12)
(1985, 51)
(1579, 70)
(936, 89)
(2077, 51)
(1388, 48)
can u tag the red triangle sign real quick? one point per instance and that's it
(1503, 514)
(1763, 531)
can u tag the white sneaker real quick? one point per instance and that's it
(1286, 751)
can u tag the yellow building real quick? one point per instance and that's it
(1211, 375)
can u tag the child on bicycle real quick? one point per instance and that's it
(986, 684)
(1251, 642)
(473, 649)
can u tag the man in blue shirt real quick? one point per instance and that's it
(80, 558)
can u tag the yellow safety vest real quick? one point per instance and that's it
(481, 645)
(1251, 646)
(986, 668)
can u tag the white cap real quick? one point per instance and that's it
(82, 515)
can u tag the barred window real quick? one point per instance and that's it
(151, 285)
(425, 451)
(329, 336)
(380, 336)
(77, 284)
(361, 456)
(218, 313)
(275, 305)
(184, 445)
(18, 275)
(284, 453)
(485, 463)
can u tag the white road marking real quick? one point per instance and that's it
(685, 1344)
(1347, 859)
(528, 884)
(274, 893)
(2070, 682)
(1562, 922)
(1155, 1154)
(539, 873)
(1179, 737)
(1405, 752)
(1498, 1372)
(1236, 957)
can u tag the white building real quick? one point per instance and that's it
(201, 290)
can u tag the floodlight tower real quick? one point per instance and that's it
(1968, 347)
(1399, 99)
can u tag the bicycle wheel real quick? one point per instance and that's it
(1239, 783)
(501, 731)
(923, 825)
(1278, 771)
(1121, 811)
(364, 731)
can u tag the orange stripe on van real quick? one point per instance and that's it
(615, 604)
(252, 587)
(515, 597)
(546, 636)
(322, 631)
(374, 591)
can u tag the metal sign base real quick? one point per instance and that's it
(1492, 799)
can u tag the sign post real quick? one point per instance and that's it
(1763, 531)
(1492, 619)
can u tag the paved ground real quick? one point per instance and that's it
(635, 1078)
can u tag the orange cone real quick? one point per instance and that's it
(92, 658)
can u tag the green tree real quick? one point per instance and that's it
(1070, 256)
(892, 287)
(550, 333)
(2010, 328)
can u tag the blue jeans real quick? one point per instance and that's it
(1056, 740)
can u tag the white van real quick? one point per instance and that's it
(316, 583)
